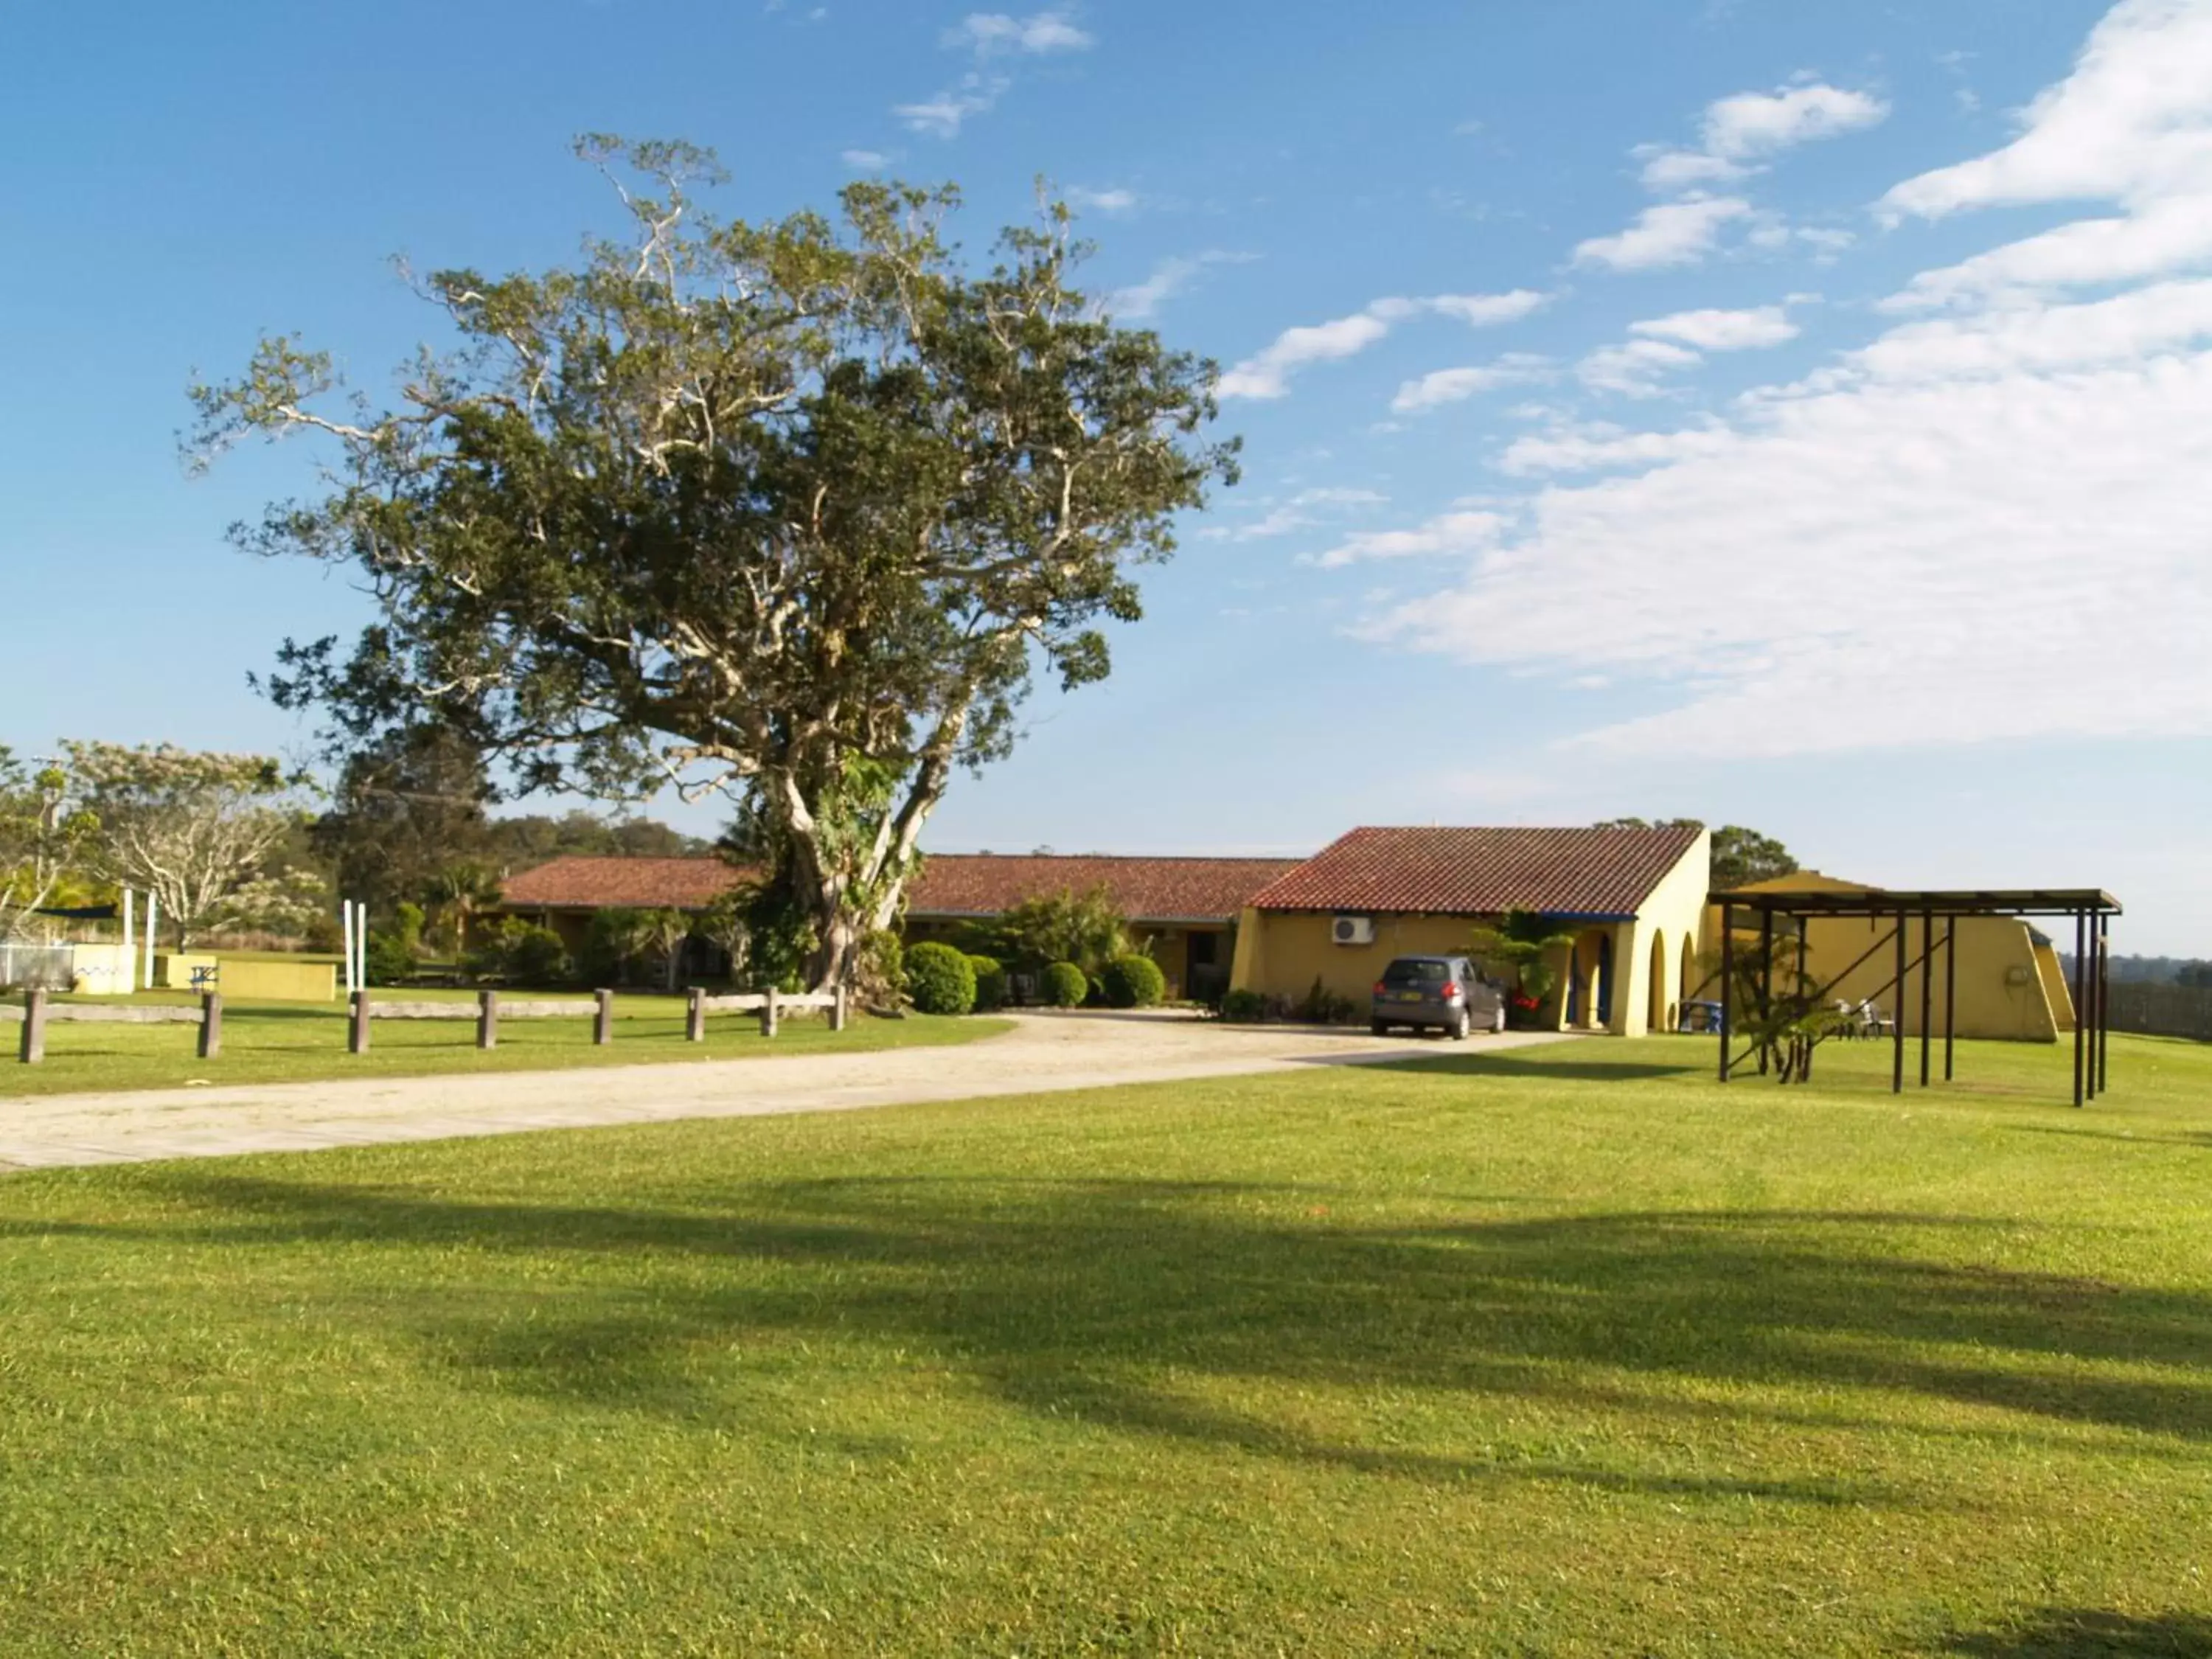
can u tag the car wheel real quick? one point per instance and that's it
(1380, 1027)
(1459, 1026)
(1497, 1020)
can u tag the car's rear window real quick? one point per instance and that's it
(1415, 973)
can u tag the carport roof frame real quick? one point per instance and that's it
(1943, 903)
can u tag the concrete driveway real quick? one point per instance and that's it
(1042, 1052)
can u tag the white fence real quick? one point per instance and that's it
(102, 969)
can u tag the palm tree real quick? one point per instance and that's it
(1520, 947)
(456, 895)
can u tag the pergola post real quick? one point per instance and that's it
(1950, 988)
(1727, 978)
(2080, 997)
(1927, 988)
(1897, 1007)
(2103, 996)
(1766, 980)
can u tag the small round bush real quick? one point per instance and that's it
(1065, 986)
(1133, 981)
(939, 980)
(992, 988)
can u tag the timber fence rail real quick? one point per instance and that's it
(488, 1011)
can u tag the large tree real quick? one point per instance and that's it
(197, 830)
(790, 511)
(408, 804)
(45, 834)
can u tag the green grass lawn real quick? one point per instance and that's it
(297, 1042)
(1566, 1351)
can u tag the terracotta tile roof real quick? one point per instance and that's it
(1480, 872)
(951, 883)
(1144, 889)
(580, 882)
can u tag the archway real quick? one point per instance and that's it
(1689, 985)
(1655, 1016)
(1604, 977)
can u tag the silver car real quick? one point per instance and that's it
(1444, 993)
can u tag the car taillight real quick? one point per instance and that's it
(1380, 987)
(1450, 991)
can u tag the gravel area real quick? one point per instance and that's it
(1043, 1052)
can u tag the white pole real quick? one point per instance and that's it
(345, 923)
(361, 943)
(130, 956)
(152, 913)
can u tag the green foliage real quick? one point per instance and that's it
(992, 984)
(46, 837)
(634, 947)
(455, 893)
(1085, 929)
(192, 828)
(519, 952)
(1063, 985)
(1322, 1006)
(1520, 950)
(880, 970)
(408, 805)
(791, 508)
(1244, 1008)
(393, 954)
(1133, 981)
(940, 980)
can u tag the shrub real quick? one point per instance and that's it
(1322, 1006)
(391, 954)
(880, 970)
(1065, 986)
(992, 988)
(939, 980)
(1244, 1007)
(519, 953)
(1133, 981)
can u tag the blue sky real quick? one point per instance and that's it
(1784, 413)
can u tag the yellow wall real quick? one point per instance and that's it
(2002, 991)
(2056, 991)
(260, 980)
(1282, 952)
(172, 971)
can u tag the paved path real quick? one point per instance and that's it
(1042, 1052)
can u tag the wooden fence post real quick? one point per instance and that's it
(210, 1024)
(34, 1026)
(768, 1011)
(357, 1025)
(694, 1017)
(840, 1009)
(487, 1020)
(603, 1022)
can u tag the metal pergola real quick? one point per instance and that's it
(2091, 908)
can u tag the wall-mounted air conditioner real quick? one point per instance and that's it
(1353, 930)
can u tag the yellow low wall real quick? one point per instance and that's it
(252, 979)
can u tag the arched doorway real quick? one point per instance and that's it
(1604, 979)
(1589, 980)
(1690, 984)
(1655, 1017)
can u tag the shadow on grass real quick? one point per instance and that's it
(1520, 1063)
(1137, 1304)
(2079, 1632)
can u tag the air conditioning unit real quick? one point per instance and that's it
(1353, 930)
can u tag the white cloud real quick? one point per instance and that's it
(867, 161)
(1457, 532)
(1452, 386)
(1666, 171)
(1102, 201)
(1721, 331)
(1633, 367)
(1301, 512)
(1140, 301)
(1266, 374)
(1483, 310)
(1669, 233)
(1755, 124)
(987, 33)
(1980, 526)
(2132, 125)
(942, 117)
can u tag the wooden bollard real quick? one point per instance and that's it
(839, 1009)
(357, 1025)
(34, 1026)
(603, 1022)
(210, 1024)
(694, 1017)
(487, 1020)
(768, 1011)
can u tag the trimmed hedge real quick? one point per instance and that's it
(939, 979)
(1064, 986)
(992, 989)
(1133, 981)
